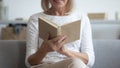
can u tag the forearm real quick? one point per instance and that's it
(82, 56)
(37, 57)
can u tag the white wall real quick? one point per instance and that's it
(108, 6)
(24, 8)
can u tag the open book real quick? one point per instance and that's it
(71, 30)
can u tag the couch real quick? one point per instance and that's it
(107, 53)
(12, 54)
(106, 30)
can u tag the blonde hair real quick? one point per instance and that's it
(46, 5)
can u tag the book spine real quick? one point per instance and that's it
(59, 31)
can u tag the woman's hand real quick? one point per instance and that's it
(47, 46)
(62, 50)
(53, 44)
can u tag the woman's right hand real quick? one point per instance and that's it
(53, 44)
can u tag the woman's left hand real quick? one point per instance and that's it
(62, 50)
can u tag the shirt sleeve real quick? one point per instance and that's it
(86, 40)
(32, 38)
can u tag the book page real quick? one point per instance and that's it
(72, 31)
(45, 28)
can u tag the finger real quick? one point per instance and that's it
(62, 43)
(62, 39)
(56, 39)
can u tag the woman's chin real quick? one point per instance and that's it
(59, 6)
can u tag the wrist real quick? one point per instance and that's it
(63, 51)
(43, 49)
(68, 53)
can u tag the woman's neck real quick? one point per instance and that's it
(57, 12)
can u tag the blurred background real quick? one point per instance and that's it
(103, 14)
(104, 17)
(25, 8)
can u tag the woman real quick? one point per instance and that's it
(53, 53)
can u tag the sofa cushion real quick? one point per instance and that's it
(106, 31)
(107, 53)
(12, 54)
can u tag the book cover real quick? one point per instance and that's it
(71, 29)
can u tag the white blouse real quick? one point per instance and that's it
(84, 44)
